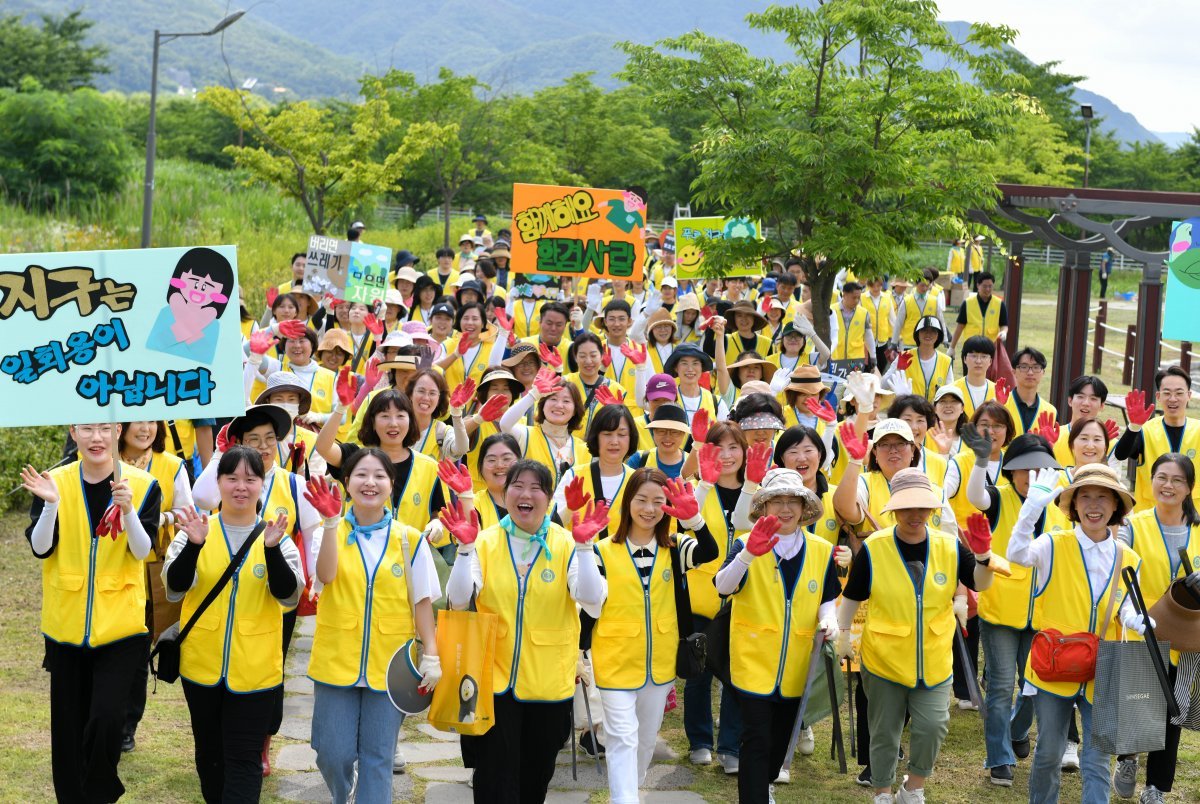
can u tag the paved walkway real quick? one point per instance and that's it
(434, 762)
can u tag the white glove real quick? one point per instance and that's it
(900, 383)
(654, 301)
(313, 417)
(254, 358)
(844, 649)
(842, 555)
(960, 610)
(431, 673)
(1043, 489)
(332, 522)
(862, 386)
(583, 670)
(594, 297)
(804, 326)
(1137, 622)
(829, 627)
(576, 318)
(435, 533)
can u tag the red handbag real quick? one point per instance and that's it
(1056, 656)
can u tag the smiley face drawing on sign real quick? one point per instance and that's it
(188, 326)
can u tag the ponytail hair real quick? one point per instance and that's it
(1191, 517)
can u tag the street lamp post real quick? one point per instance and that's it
(151, 137)
(1086, 110)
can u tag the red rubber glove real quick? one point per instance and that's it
(766, 304)
(463, 527)
(262, 341)
(324, 497)
(710, 462)
(272, 295)
(458, 478)
(494, 408)
(373, 324)
(606, 359)
(464, 344)
(762, 538)
(332, 301)
(296, 455)
(700, 426)
(110, 523)
(681, 500)
(292, 329)
(821, 409)
(1137, 409)
(346, 387)
(979, 534)
(855, 445)
(224, 441)
(584, 528)
(461, 396)
(549, 356)
(371, 373)
(636, 354)
(503, 321)
(577, 498)
(604, 396)
(758, 460)
(1113, 429)
(1047, 427)
(903, 361)
(1002, 391)
(706, 317)
(547, 381)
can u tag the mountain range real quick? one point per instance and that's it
(313, 48)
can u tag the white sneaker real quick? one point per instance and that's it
(784, 777)
(884, 798)
(906, 796)
(729, 764)
(701, 756)
(1070, 757)
(398, 762)
(807, 743)
(967, 704)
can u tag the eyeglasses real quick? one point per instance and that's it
(257, 442)
(978, 356)
(892, 447)
(1029, 368)
(1169, 481)
(88, 430)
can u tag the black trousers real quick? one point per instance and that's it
(1160, 765)
(515, 759)
(289, 625)
(961, 692)
(766, 730)
(89, 692)
(229, 729)
(139, 679)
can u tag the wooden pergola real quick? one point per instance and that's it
(1121, 211)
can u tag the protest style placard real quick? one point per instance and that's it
(110, 336)
(578, 231)
(1183, 282)
(346, 269)
(689, 255)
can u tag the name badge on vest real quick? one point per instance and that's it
(397, 570)
(939, 578)
(547, 575)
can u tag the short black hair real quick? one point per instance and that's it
(618, 306)
(555, 307)
(238, 455)
(504, 439)
(930, 274)
(540, 471)
(851, 287)
(309, 335)
(979, 344)
(985, 276)
(607, 419)
(443, 252)
(1083, 381)
(1032, 354)
(917, 404)
(580, 340)
(1171, 371)
(347, 467)
(785, 279)
(298, 254)
(380, 402)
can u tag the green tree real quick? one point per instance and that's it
(1189, 158)
(59, 146)
(186, 129)
(54, 55)
(318, 156)
(838, 154)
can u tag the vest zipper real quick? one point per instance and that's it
(787, 631)
(87, 625)
(649, 636)
(229, 625)
(921, 631)
(521, 585)
(362, 659)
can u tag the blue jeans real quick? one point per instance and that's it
(1005, 651)
(355, 724)
(1053, 717)
(697, 710)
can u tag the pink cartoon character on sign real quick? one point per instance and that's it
(198, 292)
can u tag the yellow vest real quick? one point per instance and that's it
(1147, 540)
(1065, 603)
(591, 484)
(525, 317)
(281, 497)
(472, 458)
(592, 406)
(627, 379)
(927, 386)
(774, 626)
(537, 640)
(489, 515)
(416, 498)
(93, 589)
(458, 371)
(165, 467)
(958, 258)
(852, 345)
(185, 445)
(1009, 601)
(968, 402)
(979, 323)
(826, 528)
(635, 638)
(538, 448)
(879, 494)
(1042, 407)
(702, 589)
(365, 614)
(1156, 443)
(300, 435)
(880, 312)
(909, 633)
(1062, 450)
(933, 463)
(430, 444)
(914, 313)
(535, 341)
(734, 346)
(239, 638)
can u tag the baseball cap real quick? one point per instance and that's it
(661, 386)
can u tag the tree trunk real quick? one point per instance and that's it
(820, 283)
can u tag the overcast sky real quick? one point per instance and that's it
(1140, 55)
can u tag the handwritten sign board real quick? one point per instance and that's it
(110, 336)
(349, 270)
(689, 257)
(1183, 282)
(578, 231)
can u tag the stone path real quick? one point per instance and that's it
(433, 756)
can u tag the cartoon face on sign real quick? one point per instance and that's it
(1184, 259)
(197, 294)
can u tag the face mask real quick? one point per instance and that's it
(292, 408)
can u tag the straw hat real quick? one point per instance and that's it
(807, 380)
(912, 488)
(499, 251)
(746, 307)
(335, 338)
(1098, 475)
(518, 354)
(285, 381)
(752, 358)
(515, 389)
(786, 483)
(756, 387)
(687, 301)
(400, 363)
(661, 317)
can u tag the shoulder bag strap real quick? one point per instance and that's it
(683, 603)
(412, 609)
(1112, 590)
(234, 563)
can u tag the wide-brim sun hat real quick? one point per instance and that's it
(518, 355)
(912, 488)
(1096, 475)
(1029, 451)
(807, 380)
(338, 338)
(686, 302)
(746, 308)
(687, 350)
(280, 421)
(786, 483)
(285, 381)
(661, 317)
(753, 359)
(930, 322)
(756, 387)
(670, 417)
(499, 373)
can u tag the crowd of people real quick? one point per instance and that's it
(596, 463)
